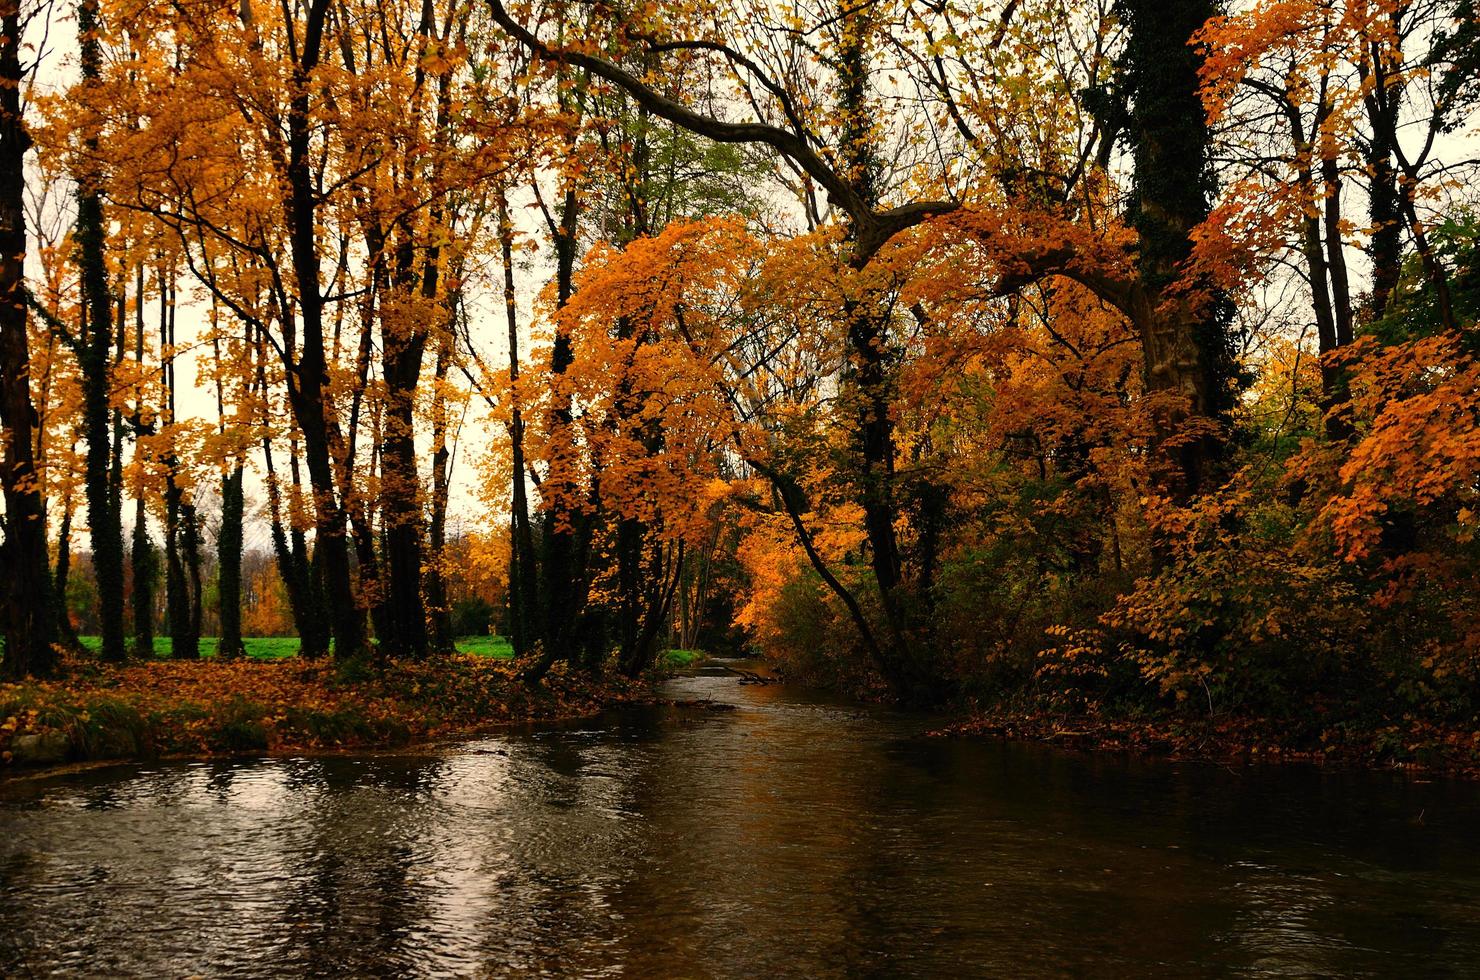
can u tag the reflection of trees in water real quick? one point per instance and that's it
(783, 837)
(357, 901)
(568, 834)
(746, 853)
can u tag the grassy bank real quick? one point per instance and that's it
(278, 647)
(193, 708)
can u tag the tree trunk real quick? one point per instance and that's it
(561, 576)
(66, 632)
(291, 554)
(869, 383)
(229, 564)
(1341, 296)
(102, 515)
(1386, 247)
(1188, 352)
(191, 548)
(440, 613)
(142, 550)
(403, 343)
(26, 589)
(401, 496)
(524, 571)
(179, 529)
(144, 569)
(357, 509)
(307, 396)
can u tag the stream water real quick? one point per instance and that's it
(787, 837)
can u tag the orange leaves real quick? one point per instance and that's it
(211, 706)
(651, 328)
(1422, 448)
(1022, 243)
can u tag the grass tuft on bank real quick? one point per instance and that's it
(674, 659)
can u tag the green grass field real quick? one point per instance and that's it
(497, 647)
(258, 647)
(278, 647)
(682, 658)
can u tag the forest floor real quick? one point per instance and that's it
(1408, 744)
(171, 708)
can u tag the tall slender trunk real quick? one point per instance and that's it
(401, 496)
(65, 631)
(180, 551)
(1386, 247)
(1341, 294)
(438, 611)
(28, 620)
(403, 343)
(1334, 386)
(145, 568)
(142, 550)
(403, 347)
(1383, 102)
(361, 516)
(229, 564)
(115, 466)
(102, 516)
(191, 549)
(562, 576)
(439, 614)
(524, 577)
(290, 550)
(233, 504)
(357, 509)
(308, 395)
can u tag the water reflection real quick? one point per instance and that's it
(790, 837)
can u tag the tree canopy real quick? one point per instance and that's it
(1107, 355)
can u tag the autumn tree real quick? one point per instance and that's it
(828, 130)
(95, 345)
(851, 180)
(1358, 93)
(28, 621)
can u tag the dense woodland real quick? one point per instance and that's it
(1105, 355)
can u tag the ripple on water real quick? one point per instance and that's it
(790, 836)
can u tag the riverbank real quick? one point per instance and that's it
(633, 845)
(1407, 744)
(165, 709)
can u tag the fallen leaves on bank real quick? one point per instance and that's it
(1404, 743)
(211, 707)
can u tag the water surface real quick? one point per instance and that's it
(789, 837)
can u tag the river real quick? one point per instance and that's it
(790, 836)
